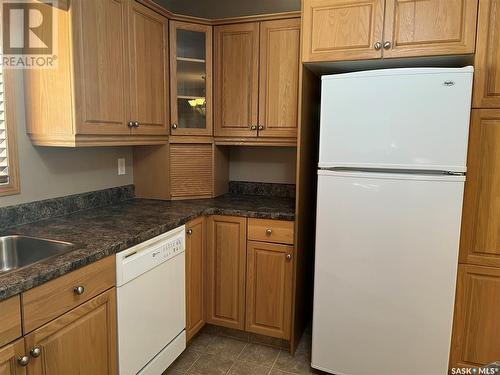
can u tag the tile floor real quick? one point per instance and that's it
(208, 354)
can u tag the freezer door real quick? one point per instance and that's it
(385, 273)
(396, 118)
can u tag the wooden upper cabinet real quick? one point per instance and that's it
(480, 241)
(279, 78)
(101, 66)
(430, 27)
(269, 289)
(487, 63)
(341, 29)
(82, 341)
(476, 325)
(226, 263)
(236, 79)
(149, 70)
(195, 276)
(190, 79)
(9, 355)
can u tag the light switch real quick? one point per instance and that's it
(121, 166)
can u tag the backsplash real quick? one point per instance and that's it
(39, 210)
(262, 188)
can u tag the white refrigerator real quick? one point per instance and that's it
(392, 163)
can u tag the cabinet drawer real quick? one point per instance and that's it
(51, 300)
(271, 230)
(10, 321)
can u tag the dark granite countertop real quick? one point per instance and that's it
(100, 232)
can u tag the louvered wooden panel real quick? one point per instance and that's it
(191, 172)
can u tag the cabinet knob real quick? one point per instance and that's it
(136, 124)
(269, 231)
(79, 290)
(253, 127)
(189, 231)
(261, 127)
(289, 257)
(23, 361)
(377, 46)
(174, 126)
(130, 124)
(387, 45)
(36, 351)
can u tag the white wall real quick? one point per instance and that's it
(263, 164)
(49, 172)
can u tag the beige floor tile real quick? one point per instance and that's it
(263, 355)
(248, 368)
(225, 347)
(300, 363)
(209, 364)
(200, 342)
(183, 363)
(304, 344)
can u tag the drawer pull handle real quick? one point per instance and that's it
(79, 290)
(269, 231)
(189, 231)
(23, 361)
(288, 257)
(35, 352)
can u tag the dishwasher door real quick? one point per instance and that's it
(151, 303)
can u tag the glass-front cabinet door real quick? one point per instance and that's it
(191, 79)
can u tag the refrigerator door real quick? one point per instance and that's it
(414, 118)
(386, 264)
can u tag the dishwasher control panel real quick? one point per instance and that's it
(141, 258)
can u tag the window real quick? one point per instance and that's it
(9, 171)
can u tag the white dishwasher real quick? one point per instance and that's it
(151, 304)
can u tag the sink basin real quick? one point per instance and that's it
(20, 251)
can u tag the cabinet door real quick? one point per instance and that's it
(431, 27)
(82, 341)
(9, 355)
(236, 79)
(269, 289)
(195, 275)
(342, 29)
(149, 73)
(226, 260)
(190, 79)
(279, 78)
(101, 66)
(487, 63)
(480, 238)
(475, 331)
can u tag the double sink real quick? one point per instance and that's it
(17, 251)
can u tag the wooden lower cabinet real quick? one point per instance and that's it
(9, 355)
(82, 341)
(269, 289)
(475, 333)
(226, 261)
(195, 276)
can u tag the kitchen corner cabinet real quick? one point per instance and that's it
(487, 59)
(195, 276)
(480, 236)
(269, 289)
(11, 357)
(335, 30)
(476, 325)
(109, 85)
(257, 79)
(190, 79)
(81, 341)
(226, 266)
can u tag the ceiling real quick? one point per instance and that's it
(228, 8)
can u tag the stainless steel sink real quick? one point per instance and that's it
(20, 251)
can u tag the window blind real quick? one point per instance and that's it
(4, 160)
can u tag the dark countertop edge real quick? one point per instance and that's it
(75, 262)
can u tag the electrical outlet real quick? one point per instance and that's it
(121, 167)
